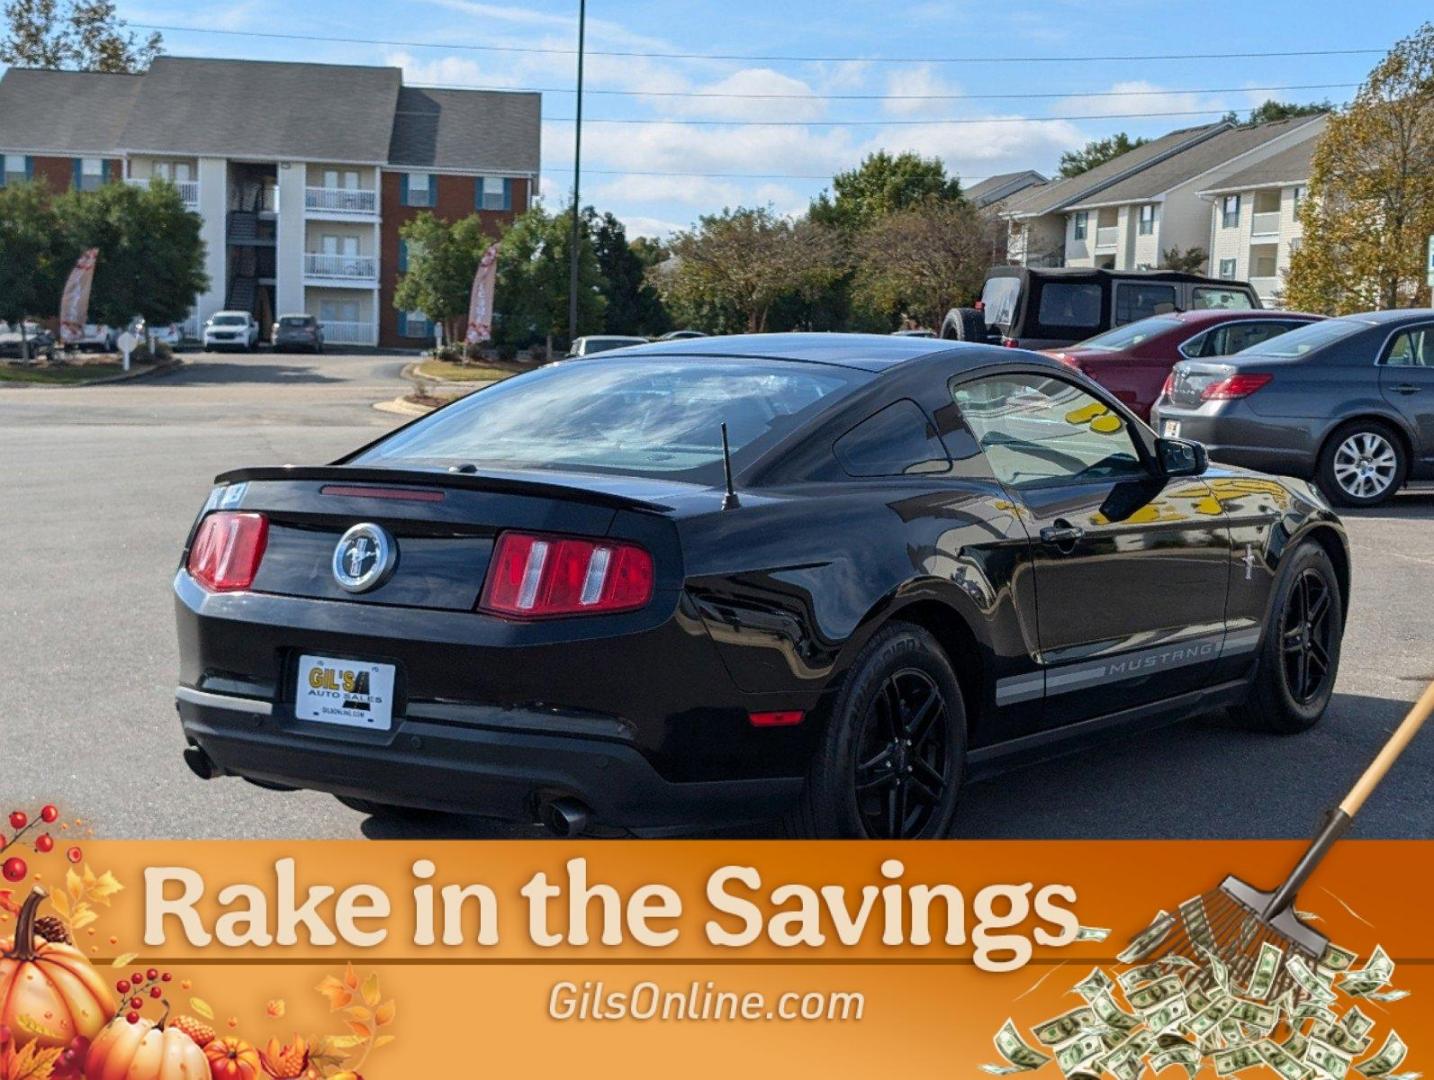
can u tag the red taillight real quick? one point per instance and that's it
(980, 305)
(787, 718)
(1010, 343)
(1168, 387)
(1234, 386)
(533, 576)
(226, 550)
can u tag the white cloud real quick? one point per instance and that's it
(638, 225)
(1143, 98)
(915, 83)
(447, 70)
(798, 101)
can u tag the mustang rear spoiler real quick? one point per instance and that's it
(467, 481)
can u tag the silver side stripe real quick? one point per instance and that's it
(1132, 665)
(223, 701)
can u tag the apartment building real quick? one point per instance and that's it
(991, 191)
(1254, 224)
(302, 174)
(1126, 213)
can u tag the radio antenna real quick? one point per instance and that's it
(729, 500)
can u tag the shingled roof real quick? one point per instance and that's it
(69, 113)
(474, 130)
(1290, 166)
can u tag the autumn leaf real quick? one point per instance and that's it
(342, 1042)
(359, 1013)
(276, 1008)
(61, 903)
(74, 885)
(123, 960)
(338, 994)
(383, 1040)
(371, 993)
(7, 902)
(351, 979)
(384, 1014)
(84, 915)
(33, 1063)
(202, 1007)
(101, 889)
(363, 1031)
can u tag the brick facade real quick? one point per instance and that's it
(58, 173)
(454, 198)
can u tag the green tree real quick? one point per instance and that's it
(883, 184)
(151, 256)
(728, 271)
(29, 283)
(922, 261)
(633, 306)
(1190, 260)
(532, 290)
(86, 35)
(1273, 110)
(443, 257)
(1370, 207)
(1097, 152)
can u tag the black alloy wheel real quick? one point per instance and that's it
(1305, 634)
(902, 768)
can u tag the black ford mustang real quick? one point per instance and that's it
(577, 597)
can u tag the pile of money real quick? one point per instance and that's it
(1300, 1019)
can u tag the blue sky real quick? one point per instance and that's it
(875, 62)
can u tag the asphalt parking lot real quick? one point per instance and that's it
(99, 485)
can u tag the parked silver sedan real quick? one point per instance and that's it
(298, 332)
(1346, 402)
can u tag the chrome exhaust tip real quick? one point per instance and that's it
(566, 817)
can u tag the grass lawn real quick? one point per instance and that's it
(73, 374)
(483, 371)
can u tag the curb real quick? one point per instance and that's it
(123, 376)
(402, 407)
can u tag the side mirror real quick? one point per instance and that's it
(1181, 457)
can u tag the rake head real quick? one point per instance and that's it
(1232, 924)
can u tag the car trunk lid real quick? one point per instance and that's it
(1191, 378)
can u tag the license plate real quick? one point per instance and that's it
(354, 693)
(1172, 429)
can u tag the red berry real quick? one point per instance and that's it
(15, 869)
(18, 820)
(136, 1003)
(3, 841)
(137, 978)
(74, 854)
(165, 977)
(122, 986)
(152, 974)
(132, 1017)
(44, 843)
(155, 991)
(49, 812)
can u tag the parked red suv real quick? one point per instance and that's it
(1132, 361)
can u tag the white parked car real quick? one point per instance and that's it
(231, 330)
(97, 336)
(171, 334)
(596, 343)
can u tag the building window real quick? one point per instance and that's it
(1297, 194)
(17, 168)
(90, 173)
(494, 193)
(1227, 269)
(341, 179)
(338, 311)
(402, 255)
(1147, 219)
(1230, 212)
(1081, 217)
(1295, 242)
(417, 189)
(414, 324)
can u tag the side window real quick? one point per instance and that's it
(896, 441)
(1242, 335)
(1134, 300)
(1199, 344)
(1206, 296)
(1037, 431)
(1075, 306)
(1412, 348)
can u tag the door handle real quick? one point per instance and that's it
(1405, 388)
(1062, 534)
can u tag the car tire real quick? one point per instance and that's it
(964, 324)
(1362, 464)
(1301, 641)
(871, 778)
(388, 810)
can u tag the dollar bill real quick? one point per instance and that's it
(1308, 981)
(1079, 1052)
(1197, 923)
(1092, 933)
(1391, 1055)
(1151, 996)
(1296, 1044)
(1067, 1026)
(1313, 1010)
(1168, 1015)
(1186, 1055)
(1267, 966)
(1217, 969)
(1112, 1015)
(1329, 1060)
(1257, 1015)
(1355, 1022)
(1149, 939)
(1340, 1038)
(1094, 985)
(1375, 974)
(1208, 1019)
(1236, 1059)
(1386, 995)
(1281, 1060)
(1020, 1056)
(1336, 959)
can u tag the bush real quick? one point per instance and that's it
(163, 354)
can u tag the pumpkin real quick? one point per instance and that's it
(144, 1050)
(231, 1058)
(49, 994)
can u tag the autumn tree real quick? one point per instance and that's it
(728, 270)
(923, 261)
(84, 35)
(1370, 207)
(1097, 152)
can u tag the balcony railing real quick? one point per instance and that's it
(348, 201)
(1106, 236)
(1265, 224)
(1266, 287)
(349, 267)
(348, 333)
(188, 189)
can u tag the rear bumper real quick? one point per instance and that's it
(503, 763)
(1235, 435)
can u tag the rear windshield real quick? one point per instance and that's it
(634, 416)
(1069, 306)
(998, 300)
(296, 320)
(1131, 334)
(1206, 296)
(1305, 339)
